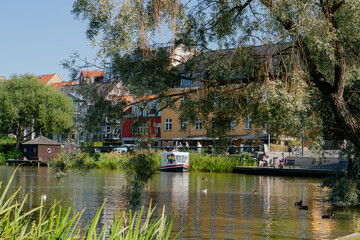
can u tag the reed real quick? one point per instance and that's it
(111, 161)
(16, 222)
(219, 163)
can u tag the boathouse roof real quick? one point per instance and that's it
(41, 141)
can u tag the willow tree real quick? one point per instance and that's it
(305, 74)
(29, 106)
(313, 42)
(289, 64)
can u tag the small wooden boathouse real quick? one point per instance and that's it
(38, 151)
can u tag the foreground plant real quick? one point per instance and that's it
(16, 222)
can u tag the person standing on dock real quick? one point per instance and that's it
(198, 145)
(187, 146)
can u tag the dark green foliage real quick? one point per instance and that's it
(8, 149)
(4, 147)
(345, 192)
(346, 187)
(139, 169)
(140, 66)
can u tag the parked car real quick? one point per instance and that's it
(105, 149)
(125, 148)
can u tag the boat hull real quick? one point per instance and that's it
(174, 168)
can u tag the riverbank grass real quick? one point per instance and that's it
(219, 163)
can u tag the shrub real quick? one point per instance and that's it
(143, 165)
(5, 147)
(71, 158)
(8, 151)
(344, 193)
(139, 169)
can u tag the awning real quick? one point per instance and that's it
(256, 136)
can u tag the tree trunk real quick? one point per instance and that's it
(345, 119)
(19, 137)
(18, 141)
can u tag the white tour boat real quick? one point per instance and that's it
(174, 161)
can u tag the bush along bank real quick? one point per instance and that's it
(81, 161)
(8, 150)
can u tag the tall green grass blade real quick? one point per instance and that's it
(3, 195)
(91, 233)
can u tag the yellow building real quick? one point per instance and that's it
(173, 130)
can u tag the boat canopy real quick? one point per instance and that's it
(174, 157)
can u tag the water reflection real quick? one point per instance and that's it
(234, 205)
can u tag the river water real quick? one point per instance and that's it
(217, 206)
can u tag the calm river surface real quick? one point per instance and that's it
(228, 209)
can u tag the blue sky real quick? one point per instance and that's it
(36, 35)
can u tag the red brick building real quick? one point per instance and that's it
(41, 149)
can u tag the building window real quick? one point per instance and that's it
(49, 150)
(199, 124)
(107, 72)
(232, 124)
(247, 123)
(183, 125)
(168, 124)
(145, 113)
(142, 129)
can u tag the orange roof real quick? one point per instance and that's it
(148, 97)
(92, 74)
(60, 84)
(45, 78)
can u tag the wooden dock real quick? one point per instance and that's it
(26, 162)
(298, 172)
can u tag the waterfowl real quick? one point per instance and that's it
(328, 216)
(207, 179)
(298, 203)
(303, 207)
(255, 192)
